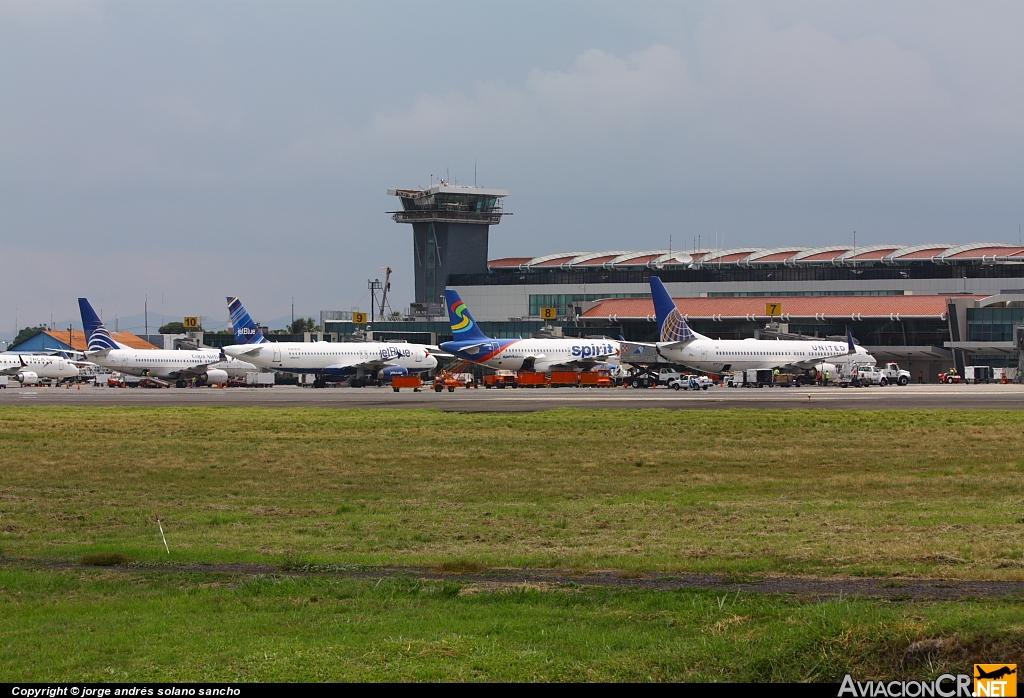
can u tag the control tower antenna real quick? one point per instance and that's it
(374, 285)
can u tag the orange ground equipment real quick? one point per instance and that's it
(399, 382)
(564, 378)
(453, 378)
(501, 379)
(530, 379)
(596, 379)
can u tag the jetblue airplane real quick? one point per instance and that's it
(680, 344)
(342, 359)
(470, 343)
(206, 366)
(27, 369)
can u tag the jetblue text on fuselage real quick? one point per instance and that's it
(394, 353)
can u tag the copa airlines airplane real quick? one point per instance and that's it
(541, 355)
(27, 369)
(682, 345)
(342, 359)
(207, 366)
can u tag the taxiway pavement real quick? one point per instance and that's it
(1003, 397)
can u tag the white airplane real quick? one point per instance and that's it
(541, 355)
(341, 359)
(28, 369)
(206, 366)
(680, 344)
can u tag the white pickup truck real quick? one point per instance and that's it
(892, 374)
(688, 381)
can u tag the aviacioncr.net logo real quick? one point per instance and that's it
(995, 680)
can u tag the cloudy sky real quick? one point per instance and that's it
(190, 151)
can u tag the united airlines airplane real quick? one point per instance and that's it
(27, 369)
(470, 343)
(206, 366)
(341, 359)
(682, 345)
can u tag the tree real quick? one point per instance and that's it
(172, 328)
(28, 332)
(303, 325)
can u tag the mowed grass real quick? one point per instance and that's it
(90, 625)
(824, 493)
(745, 493)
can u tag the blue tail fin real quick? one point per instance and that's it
(246, 330)
(671, 325)
(96, 335)
(464, 327)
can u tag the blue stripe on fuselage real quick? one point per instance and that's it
(456, 348)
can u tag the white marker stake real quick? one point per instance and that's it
(162, 535)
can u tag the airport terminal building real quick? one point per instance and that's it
(927, 306)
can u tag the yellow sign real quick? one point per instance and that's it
(773, 309)
(995, 680)
(191, 323)
(359, 318)
(549, 313)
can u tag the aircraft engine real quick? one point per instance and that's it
(213, 376)
(27, 377)
(389, 372)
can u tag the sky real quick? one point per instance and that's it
(188, 151)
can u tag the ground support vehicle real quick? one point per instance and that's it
(564, 379)
(667, 375)
(122, 380)
(690, 382)
(3, 382)
(895, 375)
(531, 379)
(150, 382)
(642, 380)
(951, 376)
(977, 374)
(596, 379)
(259, 380)
(869, 375)
(399, 382)
(786, 380)
(501, 379)
(751, 378)
(456, 377)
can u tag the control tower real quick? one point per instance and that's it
(450, 225)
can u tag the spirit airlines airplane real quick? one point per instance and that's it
(27, 369)
(207, 366)
(324, 358)
(539, 355)
(682, 345)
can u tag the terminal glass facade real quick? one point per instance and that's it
(759, 294)
(992, 324)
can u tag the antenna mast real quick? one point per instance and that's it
(384, 295)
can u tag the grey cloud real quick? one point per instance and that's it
(206, 149)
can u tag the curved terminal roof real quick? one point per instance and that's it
(836, 255)
(848, 308)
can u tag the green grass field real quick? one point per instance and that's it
(744, 492)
